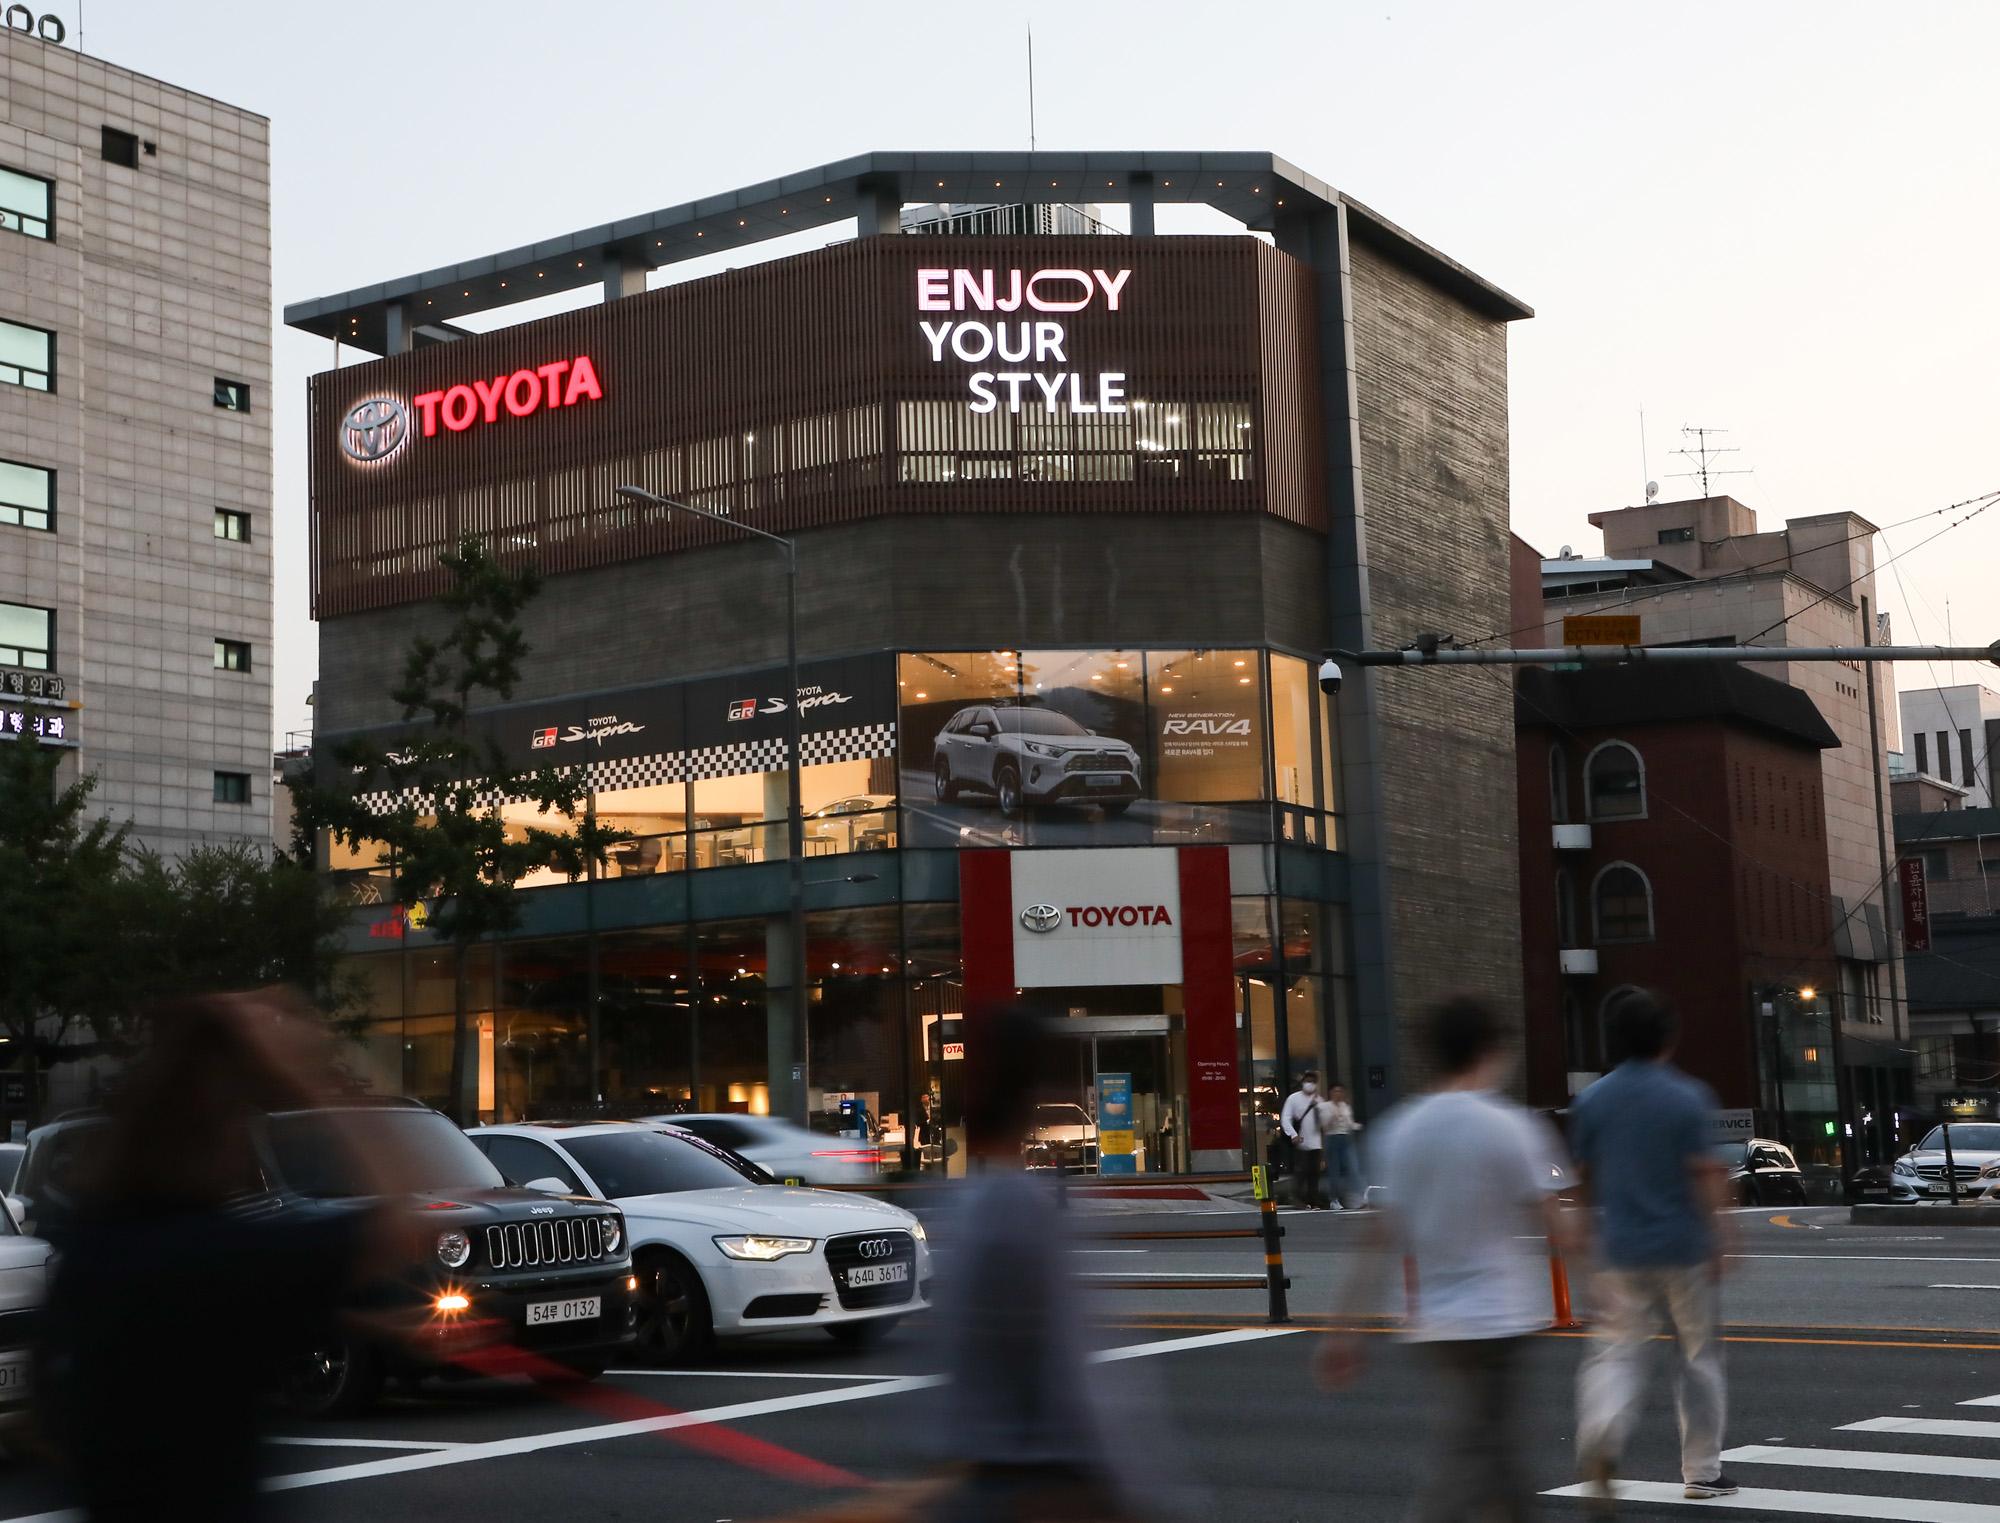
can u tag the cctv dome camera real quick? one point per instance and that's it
(1329, 677)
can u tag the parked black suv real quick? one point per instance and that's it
(489, 1265)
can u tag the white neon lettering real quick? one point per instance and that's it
(982, 388)
(1049, 343)
(1013, 301)
(964, 288)
(1112, 287)
(1000, 332)
(937, 334)
(1012, 380)
(1111, 391)
(934, 290)
(1044, 304)
(1076, 402)
(958, 338)
(1051, 390)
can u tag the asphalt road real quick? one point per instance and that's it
(1854, 1354)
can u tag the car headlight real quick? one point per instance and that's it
(1038, 748)
(762, 1250)
(454, 1249)
(1904, 1167)
(1991, 1171)
(614, 1234)
(917, 1232)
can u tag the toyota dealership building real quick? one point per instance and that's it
(1077, 514)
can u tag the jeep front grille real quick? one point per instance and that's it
(529, 1245)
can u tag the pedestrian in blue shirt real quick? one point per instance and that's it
(1640, 1137)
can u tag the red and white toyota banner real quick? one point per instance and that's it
(1132, 915)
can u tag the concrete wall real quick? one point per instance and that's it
(977, 582)
(1431, 380)
(156, 282)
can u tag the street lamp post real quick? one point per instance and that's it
(794, 812)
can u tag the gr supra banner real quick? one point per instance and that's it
(1067, 919)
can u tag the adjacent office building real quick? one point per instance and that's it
(135, 439)
(1951, 734)
(1077, 515)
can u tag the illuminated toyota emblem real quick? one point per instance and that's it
(374, 430)
(1041, 917)
(877, 1248)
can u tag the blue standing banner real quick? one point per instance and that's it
(1116, 1153)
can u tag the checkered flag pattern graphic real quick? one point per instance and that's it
(861, 743)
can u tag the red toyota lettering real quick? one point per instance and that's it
(519, 402)
(460, 409)
(582, 382)
(427, 404)
(552, 373)
(489, 397)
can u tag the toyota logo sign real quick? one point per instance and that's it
(1041, 917)
(877, 1248)
(374, 430)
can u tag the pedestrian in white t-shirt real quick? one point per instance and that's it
(1466, 1175)
(1303, 1120)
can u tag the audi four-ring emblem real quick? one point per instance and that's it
(877, 1248)
(374, 430)
(1041, 917)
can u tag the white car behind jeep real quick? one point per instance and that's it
(25, 1263)
(719, 1247)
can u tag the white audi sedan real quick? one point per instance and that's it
(24, 1286)
(718, 1245)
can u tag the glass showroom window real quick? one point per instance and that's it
(24, 203)
(1301, 725)
(27, 496)
(1621, 904)
(27, 357)
(27, 636)
(1615, 779)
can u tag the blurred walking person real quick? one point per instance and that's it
(1303, 1121)
(1466, 1175)
(1640, 1135)
(169, 1311)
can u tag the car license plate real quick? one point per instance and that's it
(1105, 780)
(877, 1274)
(17, 1375)
(582, 1309)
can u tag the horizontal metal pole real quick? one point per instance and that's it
(1598, 655)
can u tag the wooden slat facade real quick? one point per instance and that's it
(802, 392)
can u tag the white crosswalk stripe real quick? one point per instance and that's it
(1878, 1462)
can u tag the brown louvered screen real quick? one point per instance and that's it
(804, 392)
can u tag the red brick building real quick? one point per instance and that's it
(1673, 837)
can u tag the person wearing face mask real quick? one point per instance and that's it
(1304, 1120)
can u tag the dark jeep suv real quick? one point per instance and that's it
(487, 1266)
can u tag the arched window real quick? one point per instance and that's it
(1558, 786)
(1621, 904)
(1609, 1051)
(1579, 1048)
(1615, 782)
(1566, 908)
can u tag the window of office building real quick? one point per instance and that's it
(232, 396)
(232, 655)
(232, 788)
(27, 636)
(27, 495)
(232, 525)
(117, 146)
(1305, 766)
(1615, 779)
(27, 357)
(1621, 904)
(24, 203)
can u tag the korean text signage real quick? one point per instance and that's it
(1916, 905)
(52, 727)
(1096, 917)
(1116, 1153)
(1029, 354)
(375, 430)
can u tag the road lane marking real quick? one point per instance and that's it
(1865, 1258)
(1827, 1504)
(1982, 1401)
(596, 1433)
(758, 1374)
(360, 1443)
(65, 1515)
(1179, 1345)
(1936, 1427)
(1865, 1459)
(1950, 1286)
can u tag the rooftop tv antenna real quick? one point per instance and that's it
(1031, 87)
(1702, 454)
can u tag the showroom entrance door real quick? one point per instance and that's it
(1149, 1052)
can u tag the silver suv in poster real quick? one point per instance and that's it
(1028, 756)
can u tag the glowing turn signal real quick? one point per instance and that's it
(631, 1282)
(453, 1302)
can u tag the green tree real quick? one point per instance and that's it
(61, 965)
(443, 836)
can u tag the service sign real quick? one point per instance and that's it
(52, 727)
